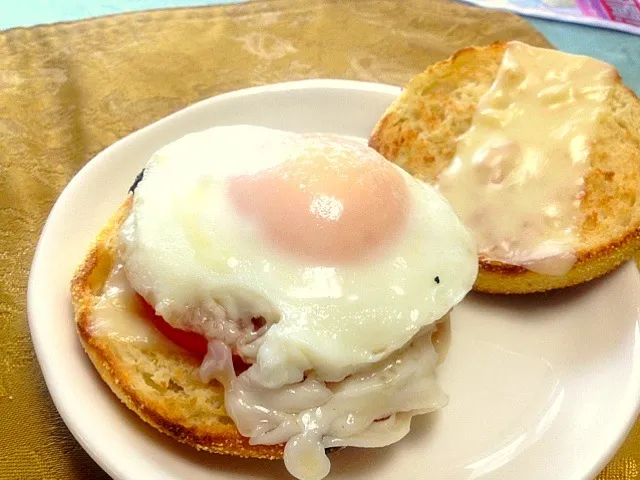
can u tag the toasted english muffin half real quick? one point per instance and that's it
(162, 385)
(419, 132)
(161, 382)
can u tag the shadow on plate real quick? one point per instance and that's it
(532, 302)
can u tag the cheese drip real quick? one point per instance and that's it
(371, 408)
(118, 314)
(517, 178)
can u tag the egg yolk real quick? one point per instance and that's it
(335, 200)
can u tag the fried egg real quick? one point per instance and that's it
(343, 255)
(318, 262)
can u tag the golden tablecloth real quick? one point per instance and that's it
(69, 90)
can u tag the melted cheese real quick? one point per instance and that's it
(371, 408)
(518, 175)
(117, 315)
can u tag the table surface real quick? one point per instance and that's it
(619, 49)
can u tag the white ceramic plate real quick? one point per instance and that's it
(542, 386)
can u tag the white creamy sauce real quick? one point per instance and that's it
(371, 408)
(118, 315)
(517, 178)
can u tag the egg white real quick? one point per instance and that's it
(184, 245)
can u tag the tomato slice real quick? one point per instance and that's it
(192, 342)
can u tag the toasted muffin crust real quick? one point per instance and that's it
(419, 130)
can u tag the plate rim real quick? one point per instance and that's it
(592, 468)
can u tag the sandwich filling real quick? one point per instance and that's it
(371, 408)
(517, 178)
(321, 265)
